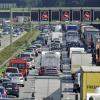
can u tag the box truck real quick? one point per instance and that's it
(89, 80)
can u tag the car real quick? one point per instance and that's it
(17, 78)
(12, 88)
(3, 92)
(14, 34)
(30, 62)
(11, 70)
(25, 54)
(38, 48)
(4, 80)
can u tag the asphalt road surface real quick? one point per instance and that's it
(67, 82)
(5, 40)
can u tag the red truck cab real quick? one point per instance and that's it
(21, 64)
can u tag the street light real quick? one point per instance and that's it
(11, 24)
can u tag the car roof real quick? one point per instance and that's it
(16, 73)
(4, 78)
(12, 68)
(18, 61)
(9, 82)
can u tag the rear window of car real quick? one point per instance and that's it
(12, 70)
(14, 75)
(8, 85)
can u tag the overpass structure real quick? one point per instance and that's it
(47, 15)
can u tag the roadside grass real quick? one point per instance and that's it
(18, 45)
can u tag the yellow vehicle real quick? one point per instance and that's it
(89, 81)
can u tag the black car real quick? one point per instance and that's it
(12, 88)
(4, 80)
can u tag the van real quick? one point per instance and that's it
(21, 64)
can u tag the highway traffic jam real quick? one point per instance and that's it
(63, 63)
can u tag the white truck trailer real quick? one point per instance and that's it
(47, 88)
(79, 59)
(50, 62)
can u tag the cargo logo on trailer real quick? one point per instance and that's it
(92, 86)
(65, 15)
(44, 16)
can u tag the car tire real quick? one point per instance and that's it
(30, 68)
(17, 95)
(25, 78)
(22, 85)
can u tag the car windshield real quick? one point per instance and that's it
(72, 34)
(11, 70)
(29, 59)
(15, 75)
(19, 65)
(25, 55)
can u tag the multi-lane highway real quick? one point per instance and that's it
(8, 39)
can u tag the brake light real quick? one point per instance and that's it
(21, 78)
(5, 92)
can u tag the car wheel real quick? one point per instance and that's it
(17, 95)
(22, 85)
(25, 78)
(30, 68)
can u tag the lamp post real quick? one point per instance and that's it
(11, 26)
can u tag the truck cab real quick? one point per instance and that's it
(21, 64)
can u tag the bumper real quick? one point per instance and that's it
(13, 92)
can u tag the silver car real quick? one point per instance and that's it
(17, 78)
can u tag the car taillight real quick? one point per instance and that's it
(5, 92)
(21, 78)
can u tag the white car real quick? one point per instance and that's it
(17, 78)
(10, 70)
(31, 62)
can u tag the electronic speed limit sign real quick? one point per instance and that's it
(44, 16)
(87, 15)
(65, 15)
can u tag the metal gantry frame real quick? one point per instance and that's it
(59, 9)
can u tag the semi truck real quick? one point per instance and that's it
(89, 37)
(82, 30)
(56, 36)
(49, 63)
(70, 27)
(72, 39)
(89, 80)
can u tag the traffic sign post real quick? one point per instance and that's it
(87, 15)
